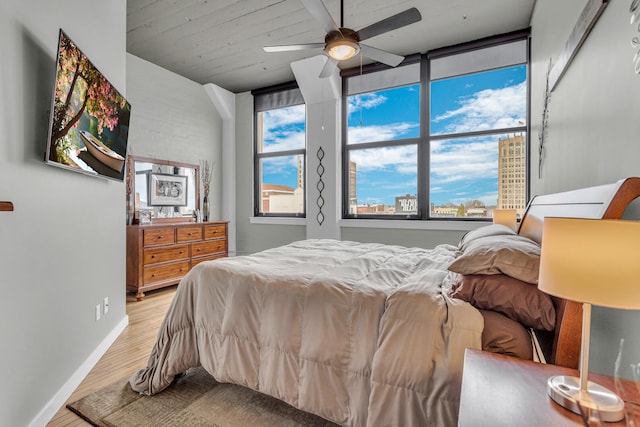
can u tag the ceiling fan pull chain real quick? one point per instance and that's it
(322, 105)
(361, 86)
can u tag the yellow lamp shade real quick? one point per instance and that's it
(505, 217)
(591, 261)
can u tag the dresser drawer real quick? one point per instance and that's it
(214, 231)
(158, 236)
(197, 261)
(173, 253)
(208, 248)
(189, 234)
(165, 272)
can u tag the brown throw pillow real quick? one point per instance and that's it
(505, 336)
(486, 231)
(518, 300)
(513, 255)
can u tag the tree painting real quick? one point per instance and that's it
(80, 89)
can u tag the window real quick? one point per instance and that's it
(458, 154)
(381, 144)
(477, 142)
(279, 154)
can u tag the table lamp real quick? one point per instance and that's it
(505, 217)
(592, 262)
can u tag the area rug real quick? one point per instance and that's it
(195, 399)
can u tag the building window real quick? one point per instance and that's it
(280, 153)
(452, 155)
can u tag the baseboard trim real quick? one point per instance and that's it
(56, 402)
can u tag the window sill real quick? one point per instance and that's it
(412, 225)
(277, 220)
(379, 223)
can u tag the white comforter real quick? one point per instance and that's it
(360, 334)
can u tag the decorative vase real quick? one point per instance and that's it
(205, 209)
(129, 208)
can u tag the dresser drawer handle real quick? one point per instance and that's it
(153, 256)
(153, 275)
(160, 237)
(190, 234)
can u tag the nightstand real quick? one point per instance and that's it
(500, 390)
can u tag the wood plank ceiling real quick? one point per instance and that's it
(220, 41)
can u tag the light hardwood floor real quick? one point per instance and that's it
(127, 354)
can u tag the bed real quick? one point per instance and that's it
(365, 334)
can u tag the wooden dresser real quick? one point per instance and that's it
(161, 255)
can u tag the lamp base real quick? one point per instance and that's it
(565, 391)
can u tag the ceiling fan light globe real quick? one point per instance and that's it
(342, 49)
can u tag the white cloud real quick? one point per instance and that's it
(284, 116)
(282, 128)
(364, 101)
(463, 162)
(488, 109)
(400, 160)
(281, 141)
(359, 134)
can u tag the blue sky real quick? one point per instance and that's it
(461, 169)
(283, 129)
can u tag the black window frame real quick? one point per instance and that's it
(258, 156)
(424, 141)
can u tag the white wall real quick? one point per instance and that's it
(594, 127)
(593, 120)
(63, 248)
(174, 119)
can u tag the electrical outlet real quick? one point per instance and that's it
(98, 312)
(105, 305)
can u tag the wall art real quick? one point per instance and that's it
(586, 21)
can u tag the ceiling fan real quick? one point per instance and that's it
(342, 43)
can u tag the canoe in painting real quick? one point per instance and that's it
(101, 152)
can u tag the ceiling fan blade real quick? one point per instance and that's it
(290, 47)
(402, 19)
(319, 11)
(383, 56)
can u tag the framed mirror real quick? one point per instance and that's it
(169, 191)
